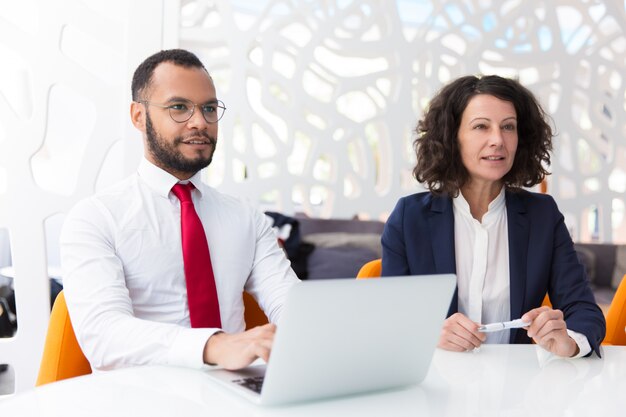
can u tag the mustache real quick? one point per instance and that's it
(203, 136)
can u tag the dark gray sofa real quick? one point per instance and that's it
(606, 265)
(339, 247)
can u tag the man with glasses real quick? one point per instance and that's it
(155, 266)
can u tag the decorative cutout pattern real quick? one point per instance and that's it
(323, 97)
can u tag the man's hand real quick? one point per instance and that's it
(238, 350)
(548, 330)
(460, 334)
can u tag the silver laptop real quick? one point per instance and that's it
(347, 336)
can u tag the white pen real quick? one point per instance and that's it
(496, 327)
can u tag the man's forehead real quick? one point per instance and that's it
(171, 80)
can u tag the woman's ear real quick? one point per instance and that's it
(138, 115)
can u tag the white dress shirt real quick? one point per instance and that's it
(482, 264)
(123, 270)
(482, 267)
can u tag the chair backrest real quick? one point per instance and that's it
(372, 269)
(253, 314)
(62, 356)
(616, 317)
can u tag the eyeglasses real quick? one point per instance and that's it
(182, 110)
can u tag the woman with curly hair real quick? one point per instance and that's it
(481, 140)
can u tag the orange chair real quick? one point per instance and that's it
(616, 318)
(372, 269)
(63, 357)
(253, 315)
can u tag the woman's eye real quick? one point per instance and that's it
(509, 127)
(480, 126)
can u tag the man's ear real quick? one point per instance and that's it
(138, 115)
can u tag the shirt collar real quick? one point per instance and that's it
(495, 208)
(162, 181)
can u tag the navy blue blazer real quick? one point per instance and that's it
(419, 239)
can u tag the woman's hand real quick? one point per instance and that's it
(548, 330)
(460, 334)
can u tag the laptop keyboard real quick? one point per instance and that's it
(254, 383)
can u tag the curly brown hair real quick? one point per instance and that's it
(439, 166)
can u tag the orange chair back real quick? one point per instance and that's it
(253, 314)
(616, 318)
(62, 356)
(372, 269)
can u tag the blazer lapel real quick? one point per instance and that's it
(441, 226)
(518, 254)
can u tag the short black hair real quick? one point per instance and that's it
(439, 166)
(143, 74)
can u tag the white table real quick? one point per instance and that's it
(503, 380)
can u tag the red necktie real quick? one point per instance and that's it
(204, 310)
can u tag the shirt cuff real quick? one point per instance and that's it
(188, 347)
(582, 342)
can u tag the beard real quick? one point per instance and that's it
(169, 158)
